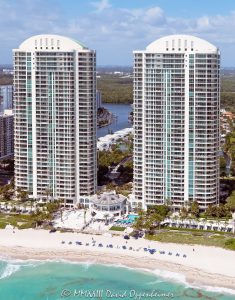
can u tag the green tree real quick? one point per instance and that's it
(153, 221)
(139, 223)
(6, 192)
(222, 163)
(162, 210)
(23, 196)
(194, 209)
(231, 202)
(52, 207)
(183, 212)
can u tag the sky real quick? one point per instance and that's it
(114, 28)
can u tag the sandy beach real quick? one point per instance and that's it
(202, 266)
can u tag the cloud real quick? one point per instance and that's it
(203, 24)
(101, 5)
(114, 32)
(154, 16)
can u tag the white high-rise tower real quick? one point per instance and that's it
(176, 122)
(55, 118)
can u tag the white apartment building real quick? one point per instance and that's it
(176, 122)
(55, 118)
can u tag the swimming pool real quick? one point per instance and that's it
(130, 219)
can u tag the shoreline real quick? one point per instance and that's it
(165, 270)
(191, 273)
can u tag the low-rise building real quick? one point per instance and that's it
(6, 97)
(110, 203)
(6, 134)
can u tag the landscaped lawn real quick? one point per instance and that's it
(117, 228)
(194, 238)
(16, 220)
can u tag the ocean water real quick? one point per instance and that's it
(56, 280)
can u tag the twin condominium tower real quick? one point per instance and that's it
(55, 118)
(176, 121)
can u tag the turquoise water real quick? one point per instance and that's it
(130, 219)
(30, 280)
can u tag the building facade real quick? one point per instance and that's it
(176, 122)
(6, 97)
(98, 99)
(55, 118)
(6, 134)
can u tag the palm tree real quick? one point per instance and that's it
(175, 218)
(183, 213)
(204, 221)
(194, 209)
(106, 218)
(211, 222)
(169, 203)
(84, 215)
(139, 223)
(182, 219)
(153, 220)
(47, 193)
(24, 206)
(39, 219)
(226, 224)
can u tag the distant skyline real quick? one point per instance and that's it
(117, 27)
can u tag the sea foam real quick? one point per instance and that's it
(180, 278)
(9, 270)
(177, 277)
(220, 290)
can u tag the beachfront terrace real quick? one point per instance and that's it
(87, 220)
